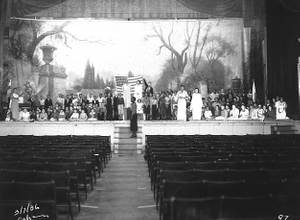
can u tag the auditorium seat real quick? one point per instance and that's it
(53, 167)
(223, 208)
(248, 175)
(194, 209)
(61, 180)
(202, 165)
(90, 161)
(165, 166)
(212, 175)
(16, 196)
(173, 175)
(170, 189)
(188, 152)
(194, 158)
(206, 189)
(82, 169)
(155, 159)
(53, 154)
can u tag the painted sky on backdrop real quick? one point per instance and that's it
(123, 46)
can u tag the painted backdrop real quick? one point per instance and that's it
(52, 57)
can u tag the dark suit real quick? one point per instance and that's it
(48, 102)
(148, 89)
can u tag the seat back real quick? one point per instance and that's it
(171, 165)
(177, 175)
(19, 199)
(215, 175)
(194, 189)
(202, 165)
(24, 191)
(194, 209)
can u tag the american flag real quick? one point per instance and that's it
(132, 81)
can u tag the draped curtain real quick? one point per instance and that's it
(283, 52)
(246, 54)
(224, 8)
(20, 8)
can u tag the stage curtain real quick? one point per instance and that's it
(223, 8)
(254, 15)
(20, 8)
(283, 52)
(246, 54)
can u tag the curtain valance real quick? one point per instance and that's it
(223, 8)
(21, 8)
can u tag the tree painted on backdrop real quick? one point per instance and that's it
(98, 82)
(102, 83)
(204, 52)
(198, 43)
(24, 38)
(178, 57)
(217, 48)
(89, 77)
(112, 83)
(78, 84)
(168, 78)
(196, 35)
(215, 77)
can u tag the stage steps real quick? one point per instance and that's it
(123, 144)
(284, 129)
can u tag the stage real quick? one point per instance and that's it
(115, 129)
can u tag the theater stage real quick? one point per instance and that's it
(115, 129)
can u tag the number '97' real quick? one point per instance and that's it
(283, 217)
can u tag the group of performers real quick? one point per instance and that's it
(183, 106)
(165, 105)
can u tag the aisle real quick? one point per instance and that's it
(122, 192)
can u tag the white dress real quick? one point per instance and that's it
(207, 114)
(126, 95)
(139, 106)
(138, 91)
(196, 106)
(244, 114)
(101, 102)
(234, 113)
(280, 110)
(181, 106)
(24, 116)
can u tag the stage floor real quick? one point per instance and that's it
(107, 128)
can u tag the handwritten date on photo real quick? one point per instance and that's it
(24, 212)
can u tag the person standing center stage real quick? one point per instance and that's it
(14, 104)
(181, 96)
(196, 105)
(126, 88)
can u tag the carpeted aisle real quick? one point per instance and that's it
(122, 192)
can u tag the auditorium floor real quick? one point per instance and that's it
(122, 192)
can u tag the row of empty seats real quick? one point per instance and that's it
(224, 177)
(67, 166)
